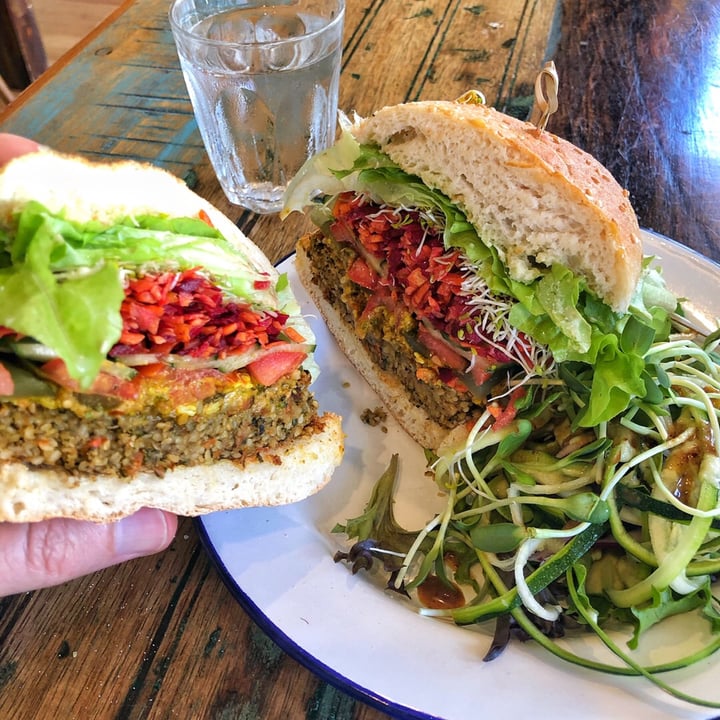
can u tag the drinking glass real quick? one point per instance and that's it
(263, 80)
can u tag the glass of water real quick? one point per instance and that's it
(263, 80)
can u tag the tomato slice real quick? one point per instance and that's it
(362, 274)
(189, 386)
(104, 383)
(445, 354)
(7, 386)
(482, 369)
(342, 232)
(269, 368)
(381, 298)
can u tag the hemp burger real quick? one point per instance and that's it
(150, 355)
(461, 253)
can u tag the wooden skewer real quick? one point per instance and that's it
(546, 94)
(688, 324)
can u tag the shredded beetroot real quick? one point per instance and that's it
(184, 313)
(7, 332)
(419, 270)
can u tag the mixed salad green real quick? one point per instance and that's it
(550, 526)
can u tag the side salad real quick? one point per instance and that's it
(552, 526)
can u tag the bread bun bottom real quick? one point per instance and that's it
(284, 476)
(412, 418)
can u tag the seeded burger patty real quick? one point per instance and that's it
(386, 333)
(78, 434)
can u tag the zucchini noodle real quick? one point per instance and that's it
(590, 523)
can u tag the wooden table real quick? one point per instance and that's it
(639, 88)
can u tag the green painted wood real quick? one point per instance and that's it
(122, 96)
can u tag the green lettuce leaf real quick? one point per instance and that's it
(665, 604)
(79, 319)
(155, 241)
(61, 281)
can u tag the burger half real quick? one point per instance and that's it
(462, 253)
(150, 355)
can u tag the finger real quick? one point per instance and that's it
(37, 555)
(12, 146)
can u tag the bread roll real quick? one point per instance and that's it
(538, 200)
(534, 196)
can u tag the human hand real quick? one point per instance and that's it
(12, 146)
(37, 555)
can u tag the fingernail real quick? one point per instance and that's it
(145, 532)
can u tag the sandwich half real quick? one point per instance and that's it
(460, 253)
(150, 354)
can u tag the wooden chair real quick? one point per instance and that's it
(22, 54)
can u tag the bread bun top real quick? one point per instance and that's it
(109, 191)
(538, 199)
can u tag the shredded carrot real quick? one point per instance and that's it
(186, 314)
(293, 334)
(205, 218)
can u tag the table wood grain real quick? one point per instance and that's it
(162, 637)
(641, 92)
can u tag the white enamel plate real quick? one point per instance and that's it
(278, 563)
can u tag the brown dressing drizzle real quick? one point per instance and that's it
(436, 594)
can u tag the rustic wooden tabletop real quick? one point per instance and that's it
(639, 88)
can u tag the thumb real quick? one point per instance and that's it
(12, 146)
(37, 555)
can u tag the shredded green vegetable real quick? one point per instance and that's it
(574, 529)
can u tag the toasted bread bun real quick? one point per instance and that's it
(534, 196)
(288, 473)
